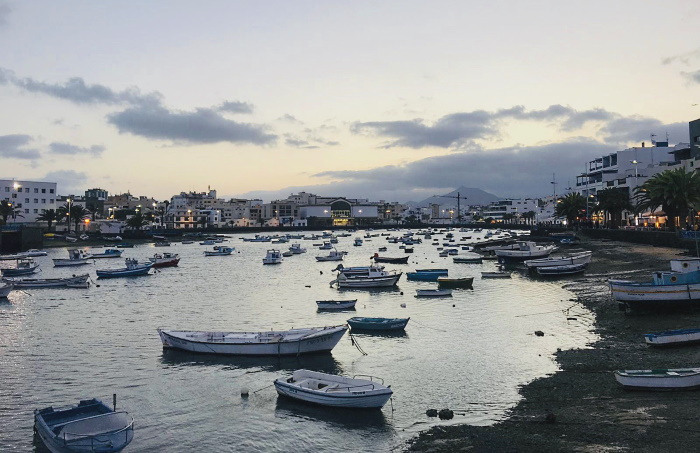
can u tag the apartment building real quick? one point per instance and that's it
(32, 198)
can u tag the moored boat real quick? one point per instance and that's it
(273, 257)
(91, 426)
(364, 323)
(271, 343)
(564, 269)
(33, 253)
(76, 257)
(358, 270)
(433, 292)
(5, 289)
(165, 259)
(375, 278)
(525, 250)
(660, 379)
(108, 253)
(574, 258)
(334, 255)
(390, 260)
(426, 275)
(25, 266)
(469, 258)
(332, 390)
(336, 304)
(297, 249)
(495, 274)
(463, 282)
(220, 251)
(678, 337)
(76, 281)
(132, 269)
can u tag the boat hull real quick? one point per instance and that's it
(66, 262)
(16, 272)
(647, 296)
(671, 379)
(368, 282)
(579, 258)
(320, 341)
(387, 325)
(23, 283)
(379, 259)
(336, 304)
(671, 338)
(456, 282)
(356, 400)
(124, 272)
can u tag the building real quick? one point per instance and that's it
(334, 212)
(512, 209)
(31, 198)
(95, 201)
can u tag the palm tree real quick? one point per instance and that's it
(613, 202)
(136, 221)
(570, 207)
(49, 216)
(8, 209)
(529, 216)
(674, 191)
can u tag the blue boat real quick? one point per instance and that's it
(678, 337)
(426, 275)
(360, 323)
(91, 426)
(132, 269)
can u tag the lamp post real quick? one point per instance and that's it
(636, 173)
(68, 203)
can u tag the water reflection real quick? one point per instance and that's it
(373, 420)
(379, 333)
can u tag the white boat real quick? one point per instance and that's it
(433, 292)
(679, 287)
(76, 281)
(495, 274)
(5, 289)
(334, 255)
(358, 270)
(678, 337)
(525, 250)
(332, 390)
(297, 249)
(564, 269)
(326, 246)
(270, 343)
(71, 239)
(273, 257)
(336, 304)
(76, 257)
(108, 253)
(220, 251)
(357, 242)
(33, 253)
(24, 266)
(374, 278)
(574, 258)
(661, 379)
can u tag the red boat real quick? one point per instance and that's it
(165, 259)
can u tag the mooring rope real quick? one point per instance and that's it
(354, 342)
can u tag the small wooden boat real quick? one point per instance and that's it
(334, 255)
(468, 259)
(358, 270)
(374, 278)
(25, 266)
(221, 251)
(76, 257)
(447, 282)
(76, 281)
(426, 275)
(125, 245)
(164, 260)
(108, 253)
(524, 250)
(662, 379)
(187, 242)
(566, 269)
(161, 244)
(495, 274)
(91, 426)
(678, 337)
(266, 343)
(360, 323)
(273, 257)
(33, 252)
(332, 390)
(336, 304)
(433, 292)
(574, 258)
(132, 269)
(5, 289)
(390, 260)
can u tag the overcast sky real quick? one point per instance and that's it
(394, 100)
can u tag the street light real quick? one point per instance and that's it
(68, 203)
(636, 174)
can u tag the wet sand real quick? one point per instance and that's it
(582, 408)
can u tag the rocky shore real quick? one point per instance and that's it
(581, 408)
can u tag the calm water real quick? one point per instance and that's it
(469, 352)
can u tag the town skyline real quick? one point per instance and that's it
(393, 101)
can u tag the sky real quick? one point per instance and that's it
(385, 100)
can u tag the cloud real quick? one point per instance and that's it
(5, 11)
(15, 147)
(77, 91)
(236, 107)
(637, 129)
(457, 130)
(296, 143)
(66, 148)
(290, 119)
(311, 142)
(69, 182)
(684, 58)
(200, 126)
(692, 76)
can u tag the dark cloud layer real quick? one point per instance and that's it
(236, 107)
(201, 126)
(67, 148)
(640, 129)
(15, 147)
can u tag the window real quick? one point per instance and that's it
(43, 190)
(50, 190)
(43, 200)
(26, 211)
(26, 200)
(14, 195)
(51, 201)
(26, 190)
(7, 189)
(36, 190)
(36, 200)
(43, 211)
(36, 211)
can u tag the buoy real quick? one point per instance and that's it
(307, 286)
(403, 305)
(539, 333)
(244, 392)
(446, 414)
(401, 293)
(431, 413)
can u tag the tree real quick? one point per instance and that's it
(613, 202)
(507, 217)
(8, 209)
(529, 216)
(136, 221)
(674, 191)
(570, 207)
(49, 216)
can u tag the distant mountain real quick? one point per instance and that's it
(473, 197)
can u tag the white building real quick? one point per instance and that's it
(512, 206)
(32, 198)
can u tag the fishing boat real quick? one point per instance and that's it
(326, 246)
(335, 391)
(357, 242)
(390, 260)
(25, 266)
(525, 250)
(375, 278)
(358, 270)
(91, 426)
(334, 255)
(132, 269)
(164, 260)
(661, 379)
(76, 257)
(426, 275)
(273, 257)
(565, 269)
(76, 281)
(678, 337)
(5, 289)
(270, 343)
(433, 292)
(360, 323)
(208, 242)
(336, 304)
(495, 274)
(470, 258)
(447, 282)
(297, 249)
(219, 251)
(574, 258)
(108, 253)
(677, 288)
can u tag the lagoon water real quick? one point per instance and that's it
(469, 352)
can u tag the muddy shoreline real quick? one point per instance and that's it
(581, 408)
